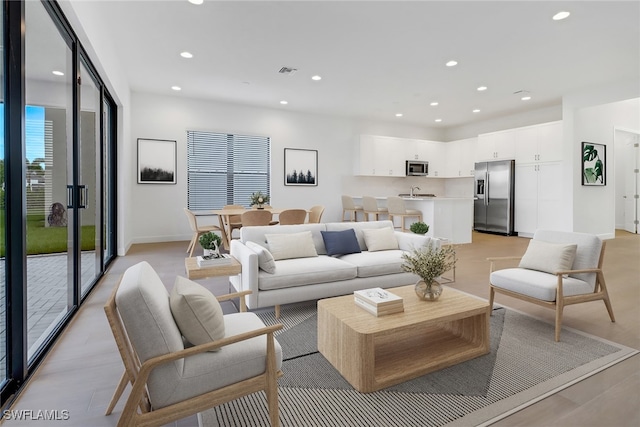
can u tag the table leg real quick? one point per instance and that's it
(226, 234)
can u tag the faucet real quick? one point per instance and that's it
(411, 192)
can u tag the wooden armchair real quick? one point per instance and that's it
(171, 381)
(557, 287)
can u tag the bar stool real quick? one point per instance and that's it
(396, 207)
(370, 206)
(349, 206)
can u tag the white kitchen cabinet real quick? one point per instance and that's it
(461, 157)
(538, 197)
(433, 152)
(496, 146)
(539, 143)
(380, 156)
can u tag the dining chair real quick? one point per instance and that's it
(256, 217)
(315, 214)
(235, 222)
(348, 206)
(292, 216)
(198, 230)
(370, 207)
(396, 207)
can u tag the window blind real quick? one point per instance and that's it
(224, 169)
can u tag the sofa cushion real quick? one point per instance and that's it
(258, 233)
(196, 311)
(306, 271)
(340, 242)
(544, 284)
(370, 264)
(294, 245)
(358, 227)
(265, 259)
(548, 257)
(382, 239)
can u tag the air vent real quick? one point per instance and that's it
(288, 71)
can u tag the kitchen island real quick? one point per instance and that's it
(447, 217)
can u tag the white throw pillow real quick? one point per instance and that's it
(265, 259)
(380, 239)
(196, 311)
(291, 245)
(548, 257)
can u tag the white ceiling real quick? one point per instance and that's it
(377, 58)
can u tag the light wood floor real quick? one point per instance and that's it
(82, 370)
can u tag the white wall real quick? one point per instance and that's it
(592, 116)
(157, 210)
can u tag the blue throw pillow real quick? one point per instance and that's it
(340, 242)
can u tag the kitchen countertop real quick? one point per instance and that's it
(422, 198)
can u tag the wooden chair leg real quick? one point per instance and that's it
(117, 393)
(272, 383)
(559, 309)
(277, 308)
(492, 295)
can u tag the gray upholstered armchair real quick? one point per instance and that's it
(558, 269)
(232, 355)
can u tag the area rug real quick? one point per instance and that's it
(524, 366)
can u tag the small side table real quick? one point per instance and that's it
(195, 272)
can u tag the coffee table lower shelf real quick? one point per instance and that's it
(374, 353)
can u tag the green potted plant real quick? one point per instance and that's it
(419, 228)
(210, 242)
(259, 199)
(428, 263)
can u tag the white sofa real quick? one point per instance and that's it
(322, 276)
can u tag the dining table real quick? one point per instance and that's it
(224, 216)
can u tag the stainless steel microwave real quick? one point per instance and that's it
(417, 168)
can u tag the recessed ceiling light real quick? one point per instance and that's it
(476, 111)
(433, 104)
(186, 54)
(526, 97)
(561, 15)
(58, 73)
(196, 1)
(398, 114)
(451, 63)
(316, 78)
(176, 88)
(481, 88)
(438, 120)
(283, 102)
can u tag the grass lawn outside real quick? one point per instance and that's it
(49, 240)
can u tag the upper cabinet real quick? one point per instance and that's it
(380, 156)
(428, 151)
(539, 143)
(461, 157)
(496, 146)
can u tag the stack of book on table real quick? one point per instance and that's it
(378, 302)
(224, 259)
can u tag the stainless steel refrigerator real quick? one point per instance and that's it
(493, 201)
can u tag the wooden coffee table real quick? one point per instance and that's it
(373, 353)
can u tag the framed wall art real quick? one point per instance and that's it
(156, 161)
(300, 167)
(594, 164)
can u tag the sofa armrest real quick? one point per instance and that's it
(410, 241)
(247, 280)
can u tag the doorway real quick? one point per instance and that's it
(627, 143)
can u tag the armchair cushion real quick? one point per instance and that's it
(548, 257)
(537, 284)
(265, 259)
(196, 311)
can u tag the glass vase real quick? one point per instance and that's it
(428, 292)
